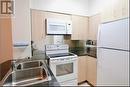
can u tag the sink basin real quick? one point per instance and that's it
(28, 64)
(30, 72)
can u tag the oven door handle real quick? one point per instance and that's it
(63, 61)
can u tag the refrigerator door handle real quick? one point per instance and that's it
(98, 36)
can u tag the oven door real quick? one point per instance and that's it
(64, 70)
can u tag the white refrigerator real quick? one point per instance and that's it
(113, 53)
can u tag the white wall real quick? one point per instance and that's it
(21, 29)
(79, 7)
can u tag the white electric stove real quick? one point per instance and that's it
(63, 64)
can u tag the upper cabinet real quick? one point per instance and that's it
(115, 11)
(38, 25)
(121, 9)
(57, 16)
(83, 27)
(125, 8)
(94, 22)
(79, 27)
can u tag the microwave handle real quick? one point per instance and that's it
(69, 28)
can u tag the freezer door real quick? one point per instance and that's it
(112, 68)
(114, 35)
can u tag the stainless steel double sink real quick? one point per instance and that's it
(30, 72)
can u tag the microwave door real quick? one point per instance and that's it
(56, 28)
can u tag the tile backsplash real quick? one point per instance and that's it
(58, 39)
(74, 43)
(50, 39)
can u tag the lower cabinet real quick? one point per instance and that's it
(82, 68)
(87, 69)
(91, 66)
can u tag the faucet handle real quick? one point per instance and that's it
(13, 64)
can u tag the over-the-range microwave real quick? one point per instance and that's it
(58, 27)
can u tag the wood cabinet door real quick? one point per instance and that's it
(82, 69)
(107, 14)
(125, 8)
(117, 10)
(121, 9)
(91, 70)
(38, 25)
(79, 27)
(94, 22)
